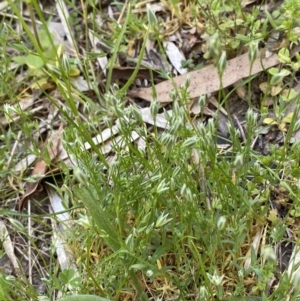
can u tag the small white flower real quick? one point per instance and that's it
(215, 279)
(149, 273)
(162, 220)
(202, 292)
(269, 254)
(221, 222)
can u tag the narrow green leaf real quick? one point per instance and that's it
(33, 61)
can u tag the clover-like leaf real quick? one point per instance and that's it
(269, 121)
(284, 56)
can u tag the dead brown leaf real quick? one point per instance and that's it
(41, 166)
(206, 80)
(8, 246)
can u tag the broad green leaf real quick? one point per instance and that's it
(66, 275)
(45, 39)
(138, 266)
(269, 120)
(42, 83)
(288, 118)
(33, 61)
(284, 56)
(273, 71)
(288, 94)
(74, 71)
(277, 78)
(284, 72)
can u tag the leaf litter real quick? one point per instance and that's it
(203, 81)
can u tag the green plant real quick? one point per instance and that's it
(67, 280)
(5, 288)
(166, 215)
